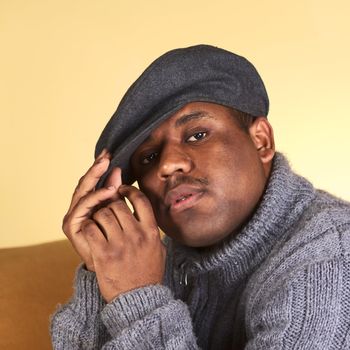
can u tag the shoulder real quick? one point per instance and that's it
(324, 229)
(302, 287)
(321, 233)
(320, 236)
(327, 211)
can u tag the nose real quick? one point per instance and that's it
(173, 160)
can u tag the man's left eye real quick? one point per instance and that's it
(197, 136)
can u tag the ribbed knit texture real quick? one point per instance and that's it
(282, 283)
(83, 328)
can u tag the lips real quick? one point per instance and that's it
(183, 197)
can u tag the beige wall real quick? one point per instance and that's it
(66, 63)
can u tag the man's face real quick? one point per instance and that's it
(202, 173)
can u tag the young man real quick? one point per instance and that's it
(254, 257)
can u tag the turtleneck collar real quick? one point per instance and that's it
(284, 200)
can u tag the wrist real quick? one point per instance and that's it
(134, 305)
(87, 296)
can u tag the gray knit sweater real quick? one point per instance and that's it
(282, 283)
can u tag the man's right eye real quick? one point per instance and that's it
(149, 158)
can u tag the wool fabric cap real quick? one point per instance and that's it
(200, 73)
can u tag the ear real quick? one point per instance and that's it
(261, 133)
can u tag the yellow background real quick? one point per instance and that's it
(65, 64)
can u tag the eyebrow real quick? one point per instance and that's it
(186, 118)
(192, 116)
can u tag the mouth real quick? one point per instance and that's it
(183, 197)
(186, 202)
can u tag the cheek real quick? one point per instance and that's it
(152, 189)
(237, 176)
(225, 163)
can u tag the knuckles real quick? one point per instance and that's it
(66, 224)
(104, 213)
(118, 205)
(136, 195)
(140, 197)
(154, 232)
(88, 226)
(80, 182)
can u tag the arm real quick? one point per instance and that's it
(78, 324)
(144, 318)
(129, 260)
(127, 257)
(148, 318)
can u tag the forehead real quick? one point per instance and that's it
(190, 112)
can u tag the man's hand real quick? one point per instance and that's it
(123, 248)
(126, 248)
(84, 202)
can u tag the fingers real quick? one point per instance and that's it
(125, 248)
(125, 224)
(123, 214)
(88, 182)
(94, 237)
(103, 154)
(85, 207)
(141, 204)
(114, 179)
(85, 198)
(108, 224)
(77, 223)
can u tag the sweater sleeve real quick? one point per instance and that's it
(144, 318)
(306, 310)
(148, 318)
(78, 324)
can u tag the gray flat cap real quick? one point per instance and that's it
(197, 73)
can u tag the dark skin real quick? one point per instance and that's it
(196, 166)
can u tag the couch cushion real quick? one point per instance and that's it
(33, 280)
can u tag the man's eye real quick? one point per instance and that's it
(149, 158)
(197, 136)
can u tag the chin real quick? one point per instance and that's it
(198, 239)
(199, 230)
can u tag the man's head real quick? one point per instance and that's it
(198, 73)
(193, 131)
(204, 170)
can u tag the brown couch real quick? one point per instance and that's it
(33, 280)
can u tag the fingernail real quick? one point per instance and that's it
(104, 151)
(122, 188)
(110, 188)
(98, 161)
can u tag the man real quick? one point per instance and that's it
(254, 257)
